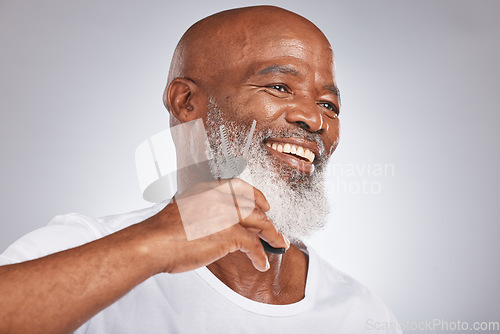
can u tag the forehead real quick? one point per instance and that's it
(308, 55)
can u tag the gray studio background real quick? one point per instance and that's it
(415, 184)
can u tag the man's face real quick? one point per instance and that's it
(297, 199)
(284, 82)
(288, 88)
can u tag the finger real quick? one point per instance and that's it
(261, 200)
(260, 224)
(251, 246)
(242, 188)
(256, 195)
(245, 207)
(207, 213)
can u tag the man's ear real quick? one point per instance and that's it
(183, 99)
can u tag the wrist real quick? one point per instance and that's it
(154, 238)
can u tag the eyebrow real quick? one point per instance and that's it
(335, 91)
(290, 70)
(279, 69)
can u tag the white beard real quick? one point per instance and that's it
(298, 202)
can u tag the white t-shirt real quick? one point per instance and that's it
(197, 302)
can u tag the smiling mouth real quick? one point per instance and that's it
(294, 150)
(293, 154)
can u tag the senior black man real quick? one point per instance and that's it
(139, 272)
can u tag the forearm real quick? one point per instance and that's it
(59, 292)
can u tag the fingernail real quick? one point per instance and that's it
(267, 264)
(286, 241)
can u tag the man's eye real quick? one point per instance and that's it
(280, 88)
(330, 106)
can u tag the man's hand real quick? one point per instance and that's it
(211, 220)
(80, 282)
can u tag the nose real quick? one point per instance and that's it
(307, 117)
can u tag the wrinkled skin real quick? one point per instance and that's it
(271, 65)
(261, 63)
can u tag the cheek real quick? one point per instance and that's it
(332, 135)
(263, 108)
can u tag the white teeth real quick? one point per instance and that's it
(306, 154)
(293, 149)
(309, 155)
(300, 152)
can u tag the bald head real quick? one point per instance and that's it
(216, 46)
(262, 64)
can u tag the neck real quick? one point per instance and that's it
(283, 283)
(193, 174)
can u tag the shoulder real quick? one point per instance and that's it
(62, 232)
(68, 231)
(360, 308)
